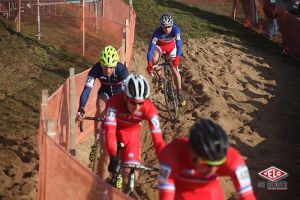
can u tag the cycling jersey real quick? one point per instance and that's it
(166, 42)
(121, 126)
(110, 85)
(179, 179)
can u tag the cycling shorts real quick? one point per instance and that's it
(170, 50)
(131, 152)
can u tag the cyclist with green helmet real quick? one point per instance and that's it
(111, 73)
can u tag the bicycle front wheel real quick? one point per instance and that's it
(171, 99)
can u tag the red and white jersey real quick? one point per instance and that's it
(119, 124)
(179, 179)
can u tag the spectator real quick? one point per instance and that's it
(272, 24)
(295, 8)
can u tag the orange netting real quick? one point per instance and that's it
(60, 175)
(66, 24)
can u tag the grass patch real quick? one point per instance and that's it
(197, 23)
(28, 66)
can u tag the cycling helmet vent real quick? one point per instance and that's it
(109, 57)
(166, 20)
(136, 87)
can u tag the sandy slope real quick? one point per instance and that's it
(251, 94)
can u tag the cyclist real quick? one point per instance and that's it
(125, 111)
(166, 39)
(189, 167)
(111, 74)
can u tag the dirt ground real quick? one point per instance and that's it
(251, 94)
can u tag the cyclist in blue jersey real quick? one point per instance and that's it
(111, 73)
(166, 39)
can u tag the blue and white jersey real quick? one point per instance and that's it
(160, 38)
(110, 85)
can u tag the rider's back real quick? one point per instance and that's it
(188, 182)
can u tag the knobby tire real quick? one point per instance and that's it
(170, 94)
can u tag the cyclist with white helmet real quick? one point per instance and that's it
(190, 167)
(111, 73)
(124, 113)
(166, 39)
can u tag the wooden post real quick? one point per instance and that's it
(130, 9)
(18, 25)
(8, 15)
(44, 103)
(234, 8)
(51, 128)
(72, 113)
(123, 47)
(103, 9)
(125, 40)
(83, 27)
(38, 21)
(96, 6)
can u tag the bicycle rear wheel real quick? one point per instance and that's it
(170, 95)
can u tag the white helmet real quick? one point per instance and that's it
(136, 87)
(166, 20)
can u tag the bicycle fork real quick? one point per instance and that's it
(131, 181)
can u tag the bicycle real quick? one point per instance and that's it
(117, 180)
(96, 147)
(169, 88)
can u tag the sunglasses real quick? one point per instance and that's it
(165, 27)
(110, 67)
(132, 102)
(208, 162)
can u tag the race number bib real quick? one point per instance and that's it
(155, 122)
(111, 114)
(164, 173)
(154, 40)
(90, 81)
(243, 177)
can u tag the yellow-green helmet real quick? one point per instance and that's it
(109, 57)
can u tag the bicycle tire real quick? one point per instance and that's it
(97, 154)
(170, 94)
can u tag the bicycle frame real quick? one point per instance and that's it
(97, 146)
(130, 187)
(133, 169)
(98, 119)
(170, 93)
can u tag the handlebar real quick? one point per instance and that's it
(98, 119)
(139, 167)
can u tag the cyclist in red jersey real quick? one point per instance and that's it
(124, 112)
(190, 167)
